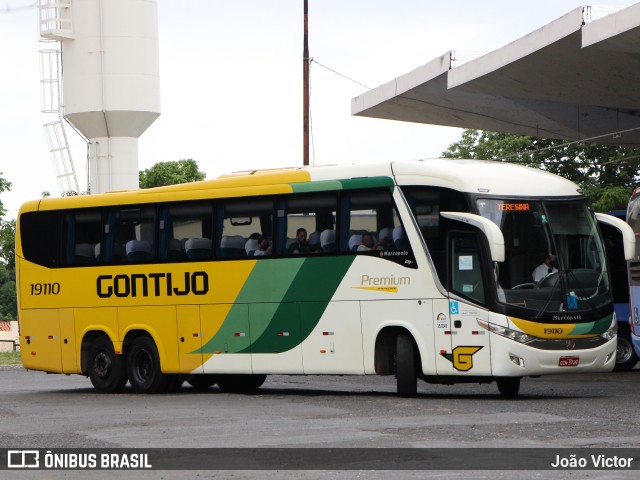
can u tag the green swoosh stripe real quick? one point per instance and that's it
(280, 304)
(597, 327)
(346, 184)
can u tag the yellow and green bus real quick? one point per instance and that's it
(420, 270)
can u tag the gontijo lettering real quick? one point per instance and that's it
(152, 284)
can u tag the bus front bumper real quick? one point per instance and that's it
(513, 359)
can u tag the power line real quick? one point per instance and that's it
(342, 75)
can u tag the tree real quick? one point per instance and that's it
(4, 187)
(171, 173)
(8, 243)
(607, 174)
(8, 298)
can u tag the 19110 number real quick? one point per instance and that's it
(553, 331)
(45, 288)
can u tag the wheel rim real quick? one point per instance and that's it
(624, 350)
(144, 366)
(102, 365)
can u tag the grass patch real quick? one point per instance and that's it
(10, 358)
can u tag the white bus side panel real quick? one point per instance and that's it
(335, 345)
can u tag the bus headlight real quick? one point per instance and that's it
(514, 335)
(612, 332)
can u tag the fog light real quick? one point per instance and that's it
(519, 361)
(606, 360)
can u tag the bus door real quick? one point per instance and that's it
(467, 348)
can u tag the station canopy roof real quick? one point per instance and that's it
(572, 79)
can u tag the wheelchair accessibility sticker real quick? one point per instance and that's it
(572, 302)
(453, 308)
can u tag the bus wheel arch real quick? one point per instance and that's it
(106, 370)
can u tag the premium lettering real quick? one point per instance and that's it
(152, 284)
(367, 280)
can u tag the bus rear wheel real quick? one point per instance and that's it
(107, 370)
(143, 367)
(406, 370)
(240, 383)
(508, 386)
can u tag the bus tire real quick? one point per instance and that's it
(240, 383)
(143, 367)
(626, 358)
(107, 370)
(406, 371)
(508, 386)
(202, 382)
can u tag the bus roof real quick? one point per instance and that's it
(473, 176)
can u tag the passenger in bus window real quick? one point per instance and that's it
(264, 249)
(368, 243)
(545, 268)
(300, 245)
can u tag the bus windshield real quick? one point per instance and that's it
(554, 258)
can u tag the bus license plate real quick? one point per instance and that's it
(569, 361)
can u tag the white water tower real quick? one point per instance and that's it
(110, 80)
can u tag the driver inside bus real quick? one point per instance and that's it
(547, 267)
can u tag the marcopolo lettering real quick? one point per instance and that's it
(152, 284)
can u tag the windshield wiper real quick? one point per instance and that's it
(560, 281)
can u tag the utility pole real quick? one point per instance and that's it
(305, 87)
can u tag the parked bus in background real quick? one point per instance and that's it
(155, 287)
(626, 357)
(633, 219)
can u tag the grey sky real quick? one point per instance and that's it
(231, 81)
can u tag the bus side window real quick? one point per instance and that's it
(36, 226)
(372, 222)
(81, 233)
(313, 214)
(240, 224)
(185, 231)
(131, 235)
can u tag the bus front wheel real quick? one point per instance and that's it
(406, 371)
(143, 367)
(107, 370)
(508, 386)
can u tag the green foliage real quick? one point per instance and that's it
(8, 298)
(607, 174)
(8, 243)
(5, 186)
(171, 173)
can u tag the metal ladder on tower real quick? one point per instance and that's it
(55, 22)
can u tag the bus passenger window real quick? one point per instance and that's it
(132, 235)
(186, 231)
(81, 233)
(373, 222)
(242, 224)
(309, 217)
